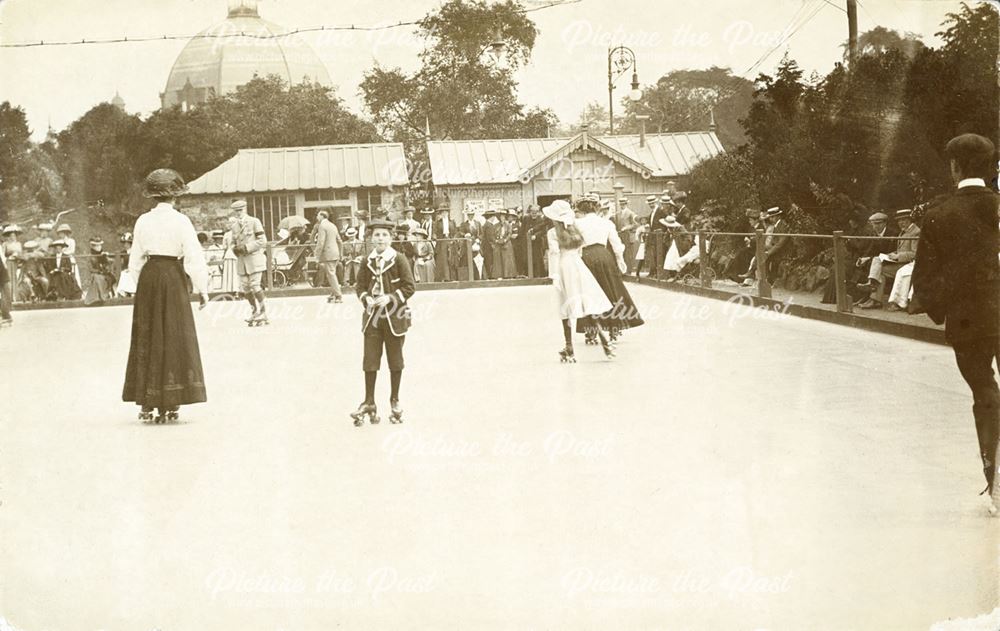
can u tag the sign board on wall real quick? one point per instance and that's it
(475, 205)
(494, 203)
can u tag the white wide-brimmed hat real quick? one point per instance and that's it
(560, 211)
(671, 222)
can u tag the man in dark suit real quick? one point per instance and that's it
(447, 252)
(956, 278)
(490, 230)
(657, 239)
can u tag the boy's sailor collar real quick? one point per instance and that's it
(388, 257)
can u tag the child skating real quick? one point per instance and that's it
(385, 284)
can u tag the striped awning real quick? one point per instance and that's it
(305, 168)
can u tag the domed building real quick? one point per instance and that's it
(231, 53)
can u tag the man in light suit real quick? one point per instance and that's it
(956, 279)
(248, 246)
(626, 223)
(328, 248)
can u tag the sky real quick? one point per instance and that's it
(57, 84)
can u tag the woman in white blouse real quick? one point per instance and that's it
(607, 266)
(164, 363)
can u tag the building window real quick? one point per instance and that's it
(327, 195)
(271, 209)
(369, 199)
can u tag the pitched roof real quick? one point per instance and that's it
(304, 168)
(462, 162)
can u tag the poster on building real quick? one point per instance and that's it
(494, 203)
(475, 205)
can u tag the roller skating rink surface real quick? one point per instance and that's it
(729, 469)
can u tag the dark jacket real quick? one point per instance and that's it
(956, 276)
(396, 282)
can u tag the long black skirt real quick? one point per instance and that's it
(623, 314)
(164, 364)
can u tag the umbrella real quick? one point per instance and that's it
(293, 221)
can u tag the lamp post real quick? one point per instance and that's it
(620, 60)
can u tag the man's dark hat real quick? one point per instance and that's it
(374, 224)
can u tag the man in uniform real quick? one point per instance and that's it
(251, 262)
(956, 278)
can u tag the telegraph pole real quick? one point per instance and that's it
(852, 31)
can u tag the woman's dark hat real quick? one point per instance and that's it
(375, 224)
(164, 183)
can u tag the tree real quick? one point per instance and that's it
(682, 100)
(456, 93)
(880, 40)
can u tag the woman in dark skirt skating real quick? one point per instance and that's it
(599, 233)
(164, 364)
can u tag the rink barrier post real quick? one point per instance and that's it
(763, 287)
(269, 253)
(469, 263)
(706, 281)
(531, 267)
(840, 272)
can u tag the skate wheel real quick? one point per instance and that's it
(374, 419)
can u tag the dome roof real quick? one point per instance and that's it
(229, 54)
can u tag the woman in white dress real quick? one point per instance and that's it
(580, 297)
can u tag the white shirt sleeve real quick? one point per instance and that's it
(137, 255)
(553, 253)
(616, 242)
(194, 258)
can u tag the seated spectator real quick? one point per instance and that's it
(61, 273)
(902, 289)
(885, 266)
(34, 283)
(101, 276)
(872, 248)
(682, 248)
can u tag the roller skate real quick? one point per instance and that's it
(590, 338)
(609, 348)
(614, 334)
(259, 319)
(396, 415)
(146, 415)
(253, 316)
(566, 356)
(365, 411)
(334, 299)
(168, 416)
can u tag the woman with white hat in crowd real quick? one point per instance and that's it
(11, 243)
(164, 363)
(581, 299)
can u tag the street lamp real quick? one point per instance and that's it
(496, 48)
(620, 60)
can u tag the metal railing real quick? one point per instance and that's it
(437, 260)
(757, 241)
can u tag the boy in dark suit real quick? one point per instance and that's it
(385, 284)
(956, 278)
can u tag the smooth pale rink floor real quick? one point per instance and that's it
(729, 470)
